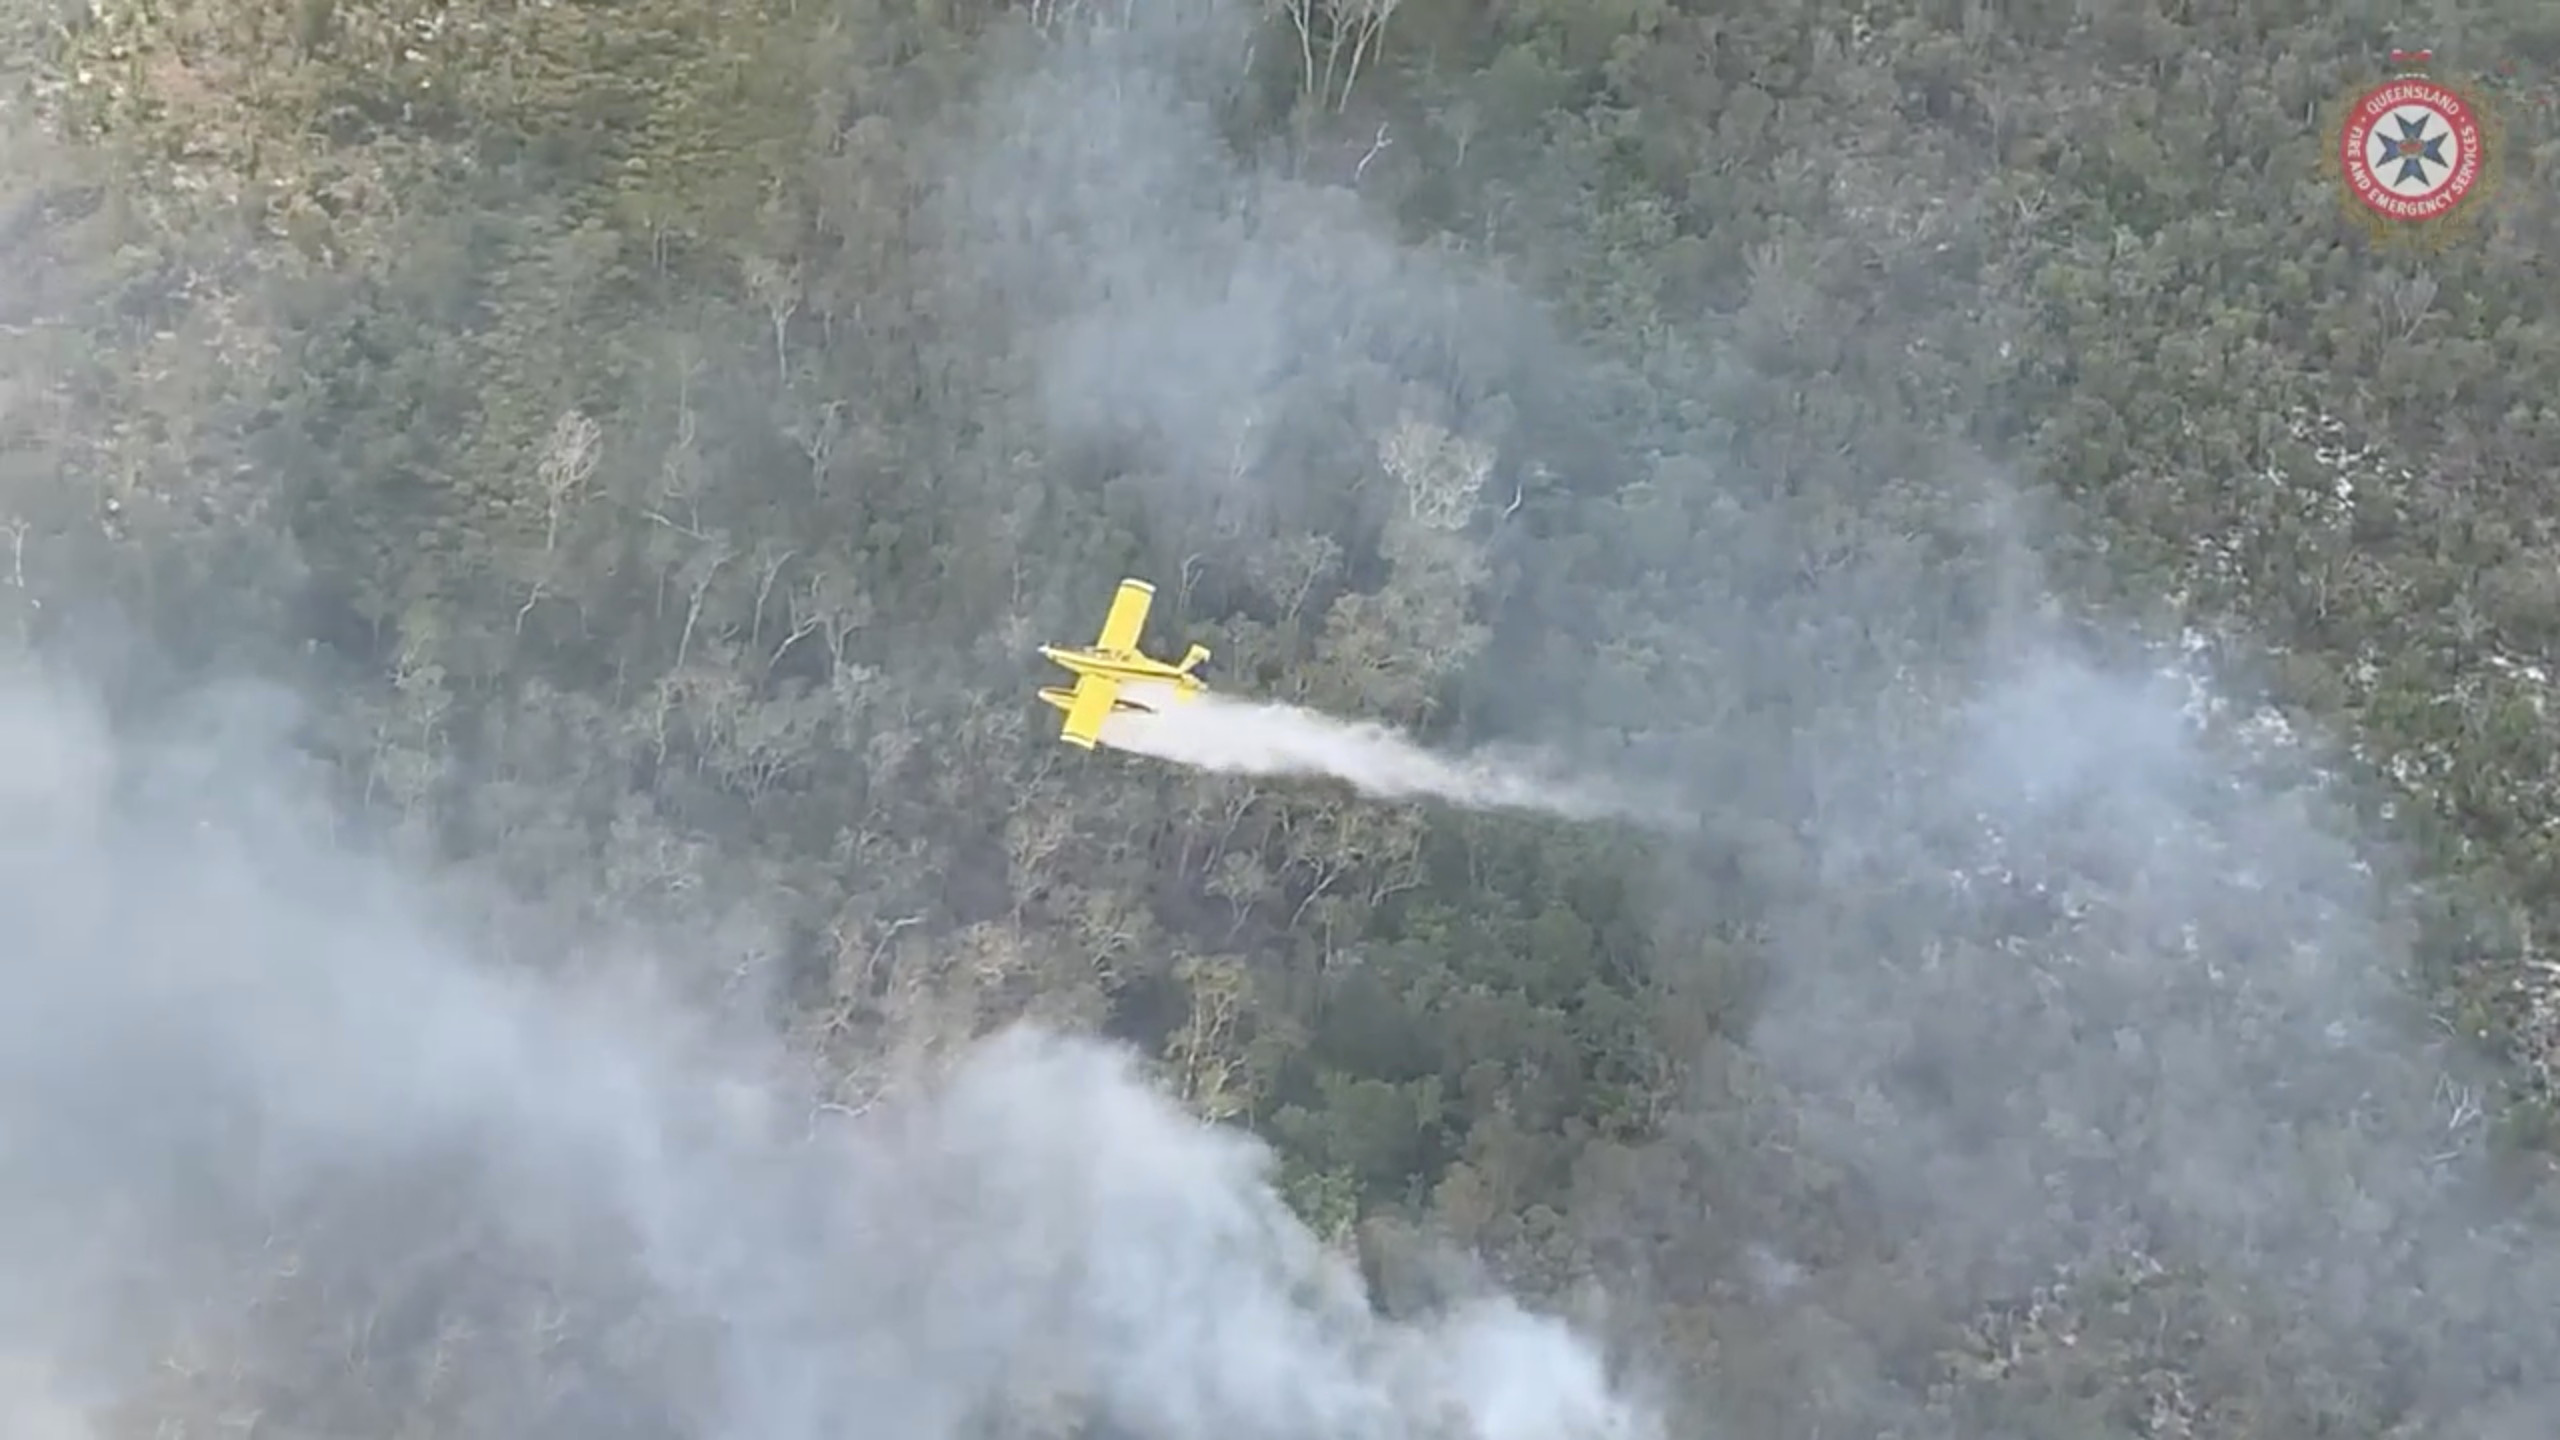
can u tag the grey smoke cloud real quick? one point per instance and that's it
(1231, 326)
(259, 1110)
(2104, 974)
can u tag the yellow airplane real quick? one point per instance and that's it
(1114, 661)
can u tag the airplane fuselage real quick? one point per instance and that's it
(1139, 679)
(1113, 677)
(1128, 669)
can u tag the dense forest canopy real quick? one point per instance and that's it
(542, 900)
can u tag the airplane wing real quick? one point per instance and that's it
(1128, 617)
(1089, 708)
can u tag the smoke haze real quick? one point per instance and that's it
(274, 1142)
(2083, 976)
(1235, 336)
(2074, 981)
(240, 1074)
(2101, 982)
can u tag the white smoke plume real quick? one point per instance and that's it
(1244, 737)
(272, 1141)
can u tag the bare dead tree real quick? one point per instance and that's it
(706, 567)
(817, 441)
(680, 472)
(2409, 298)
(568, 459)
(1358, 21)
(1290, 571)
(1336, 39)
(1440, 472)
(802, 627)
(1376, 147)
(764, 592)
(1203, 1051)
(1047, 16)
(776, 287)
(1301, 15)
(1461, 121)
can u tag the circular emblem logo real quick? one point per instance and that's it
(2411, 149)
